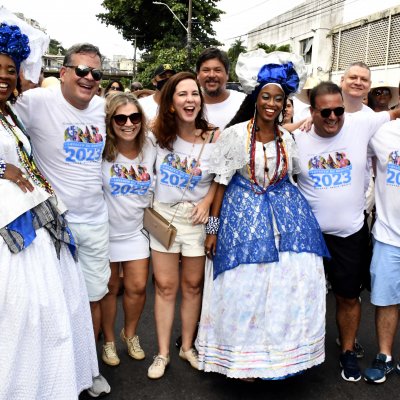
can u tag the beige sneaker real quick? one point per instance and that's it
(157, 369)
(109, 355)
(134, 349)
(191, 356)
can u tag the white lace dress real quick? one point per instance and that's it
(263, 318)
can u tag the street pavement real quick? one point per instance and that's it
(181, 382)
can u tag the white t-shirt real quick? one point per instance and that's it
(127, 185)
(220, 114)
(333, 172)
(385, 145)
(68, 144)
(173, 169)
(150, 107)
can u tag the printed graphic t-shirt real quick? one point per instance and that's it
(333, 172)
(173, 169)
(127, 184)
(68, 145)
(385, 144)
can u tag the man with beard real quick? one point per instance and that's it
(221, 104)
(150, 103)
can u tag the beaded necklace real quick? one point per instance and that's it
(279, 174)
(25, 159)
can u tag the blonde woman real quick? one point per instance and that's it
(128, 161)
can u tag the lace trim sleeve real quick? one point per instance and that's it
(229, 154)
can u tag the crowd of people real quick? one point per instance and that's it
(266, 211)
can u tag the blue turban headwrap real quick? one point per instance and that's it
(282, 74)
(14, 44)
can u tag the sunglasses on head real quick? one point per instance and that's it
(84, 70)
(381, 92)
(326, 112)
(120, 119)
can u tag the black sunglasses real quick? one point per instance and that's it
(120, 119)
(326, 112)
(381, 92)
(83, 70)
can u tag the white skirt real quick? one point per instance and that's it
(264, 320)
(47, 348)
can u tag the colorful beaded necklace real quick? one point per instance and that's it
(279, 173)
(25, 158)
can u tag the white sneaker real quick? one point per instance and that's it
(109, 354)
(157, 369)
(133, 344)
(100, 387)
(191, 356)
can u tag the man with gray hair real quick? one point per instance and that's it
(66, 124)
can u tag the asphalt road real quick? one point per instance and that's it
(129, 380)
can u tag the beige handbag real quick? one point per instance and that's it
(157, 225)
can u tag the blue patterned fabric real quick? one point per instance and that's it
(246, 234)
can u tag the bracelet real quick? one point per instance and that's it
(212, 226)
(3, 167)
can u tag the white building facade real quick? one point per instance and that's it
(331, 34)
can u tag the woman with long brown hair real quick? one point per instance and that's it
(183, 192)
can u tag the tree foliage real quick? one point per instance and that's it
(153, 24)
(233, 54)
(55, 47)
(269, 48)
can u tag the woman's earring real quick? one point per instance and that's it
(280, 118)
(172, 109)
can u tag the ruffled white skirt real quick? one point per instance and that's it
(264, 320)
(47, 348)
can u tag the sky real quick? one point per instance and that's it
(75, 21)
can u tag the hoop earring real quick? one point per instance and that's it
(280, 118)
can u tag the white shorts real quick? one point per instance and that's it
(92, 242)
(189, 239)
(135, 247)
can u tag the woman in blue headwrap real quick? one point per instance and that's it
(47, 348)
(263, 312)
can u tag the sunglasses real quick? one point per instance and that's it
(326, 112)
(381, 92)
(120, 119)
(114, 88)
(84, 70)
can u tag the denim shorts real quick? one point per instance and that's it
(385, 274)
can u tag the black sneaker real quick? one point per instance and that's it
(349, 364)
(379, 369)
(358, 349)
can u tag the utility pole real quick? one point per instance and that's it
(134, 69)
(189, 33)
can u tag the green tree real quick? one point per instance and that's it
(55, 47)
(269, 48)
(153, 25)
(233, 54)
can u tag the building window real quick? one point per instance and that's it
(306, 49)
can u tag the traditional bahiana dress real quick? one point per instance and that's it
(47, 348)
(263, 313)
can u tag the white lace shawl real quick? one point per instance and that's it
(230, 153)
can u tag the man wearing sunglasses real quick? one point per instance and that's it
(333, 159)
(67, 128)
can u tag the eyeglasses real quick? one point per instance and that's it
(83, 70)
(381, 92)
(114, 88)
(120, 119)
(326, 112)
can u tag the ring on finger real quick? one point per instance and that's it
(18, 181)
(24, 176)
